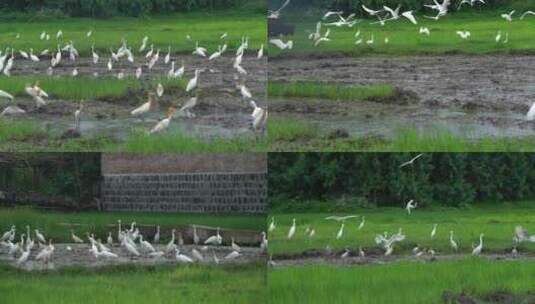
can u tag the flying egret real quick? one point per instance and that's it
(508, 17)
(411, 162)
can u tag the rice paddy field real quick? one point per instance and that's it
(164, 31)
(311, 270)
(430, 93)
(135, 284)
(470, 280)
(220, 122)
(496, 222)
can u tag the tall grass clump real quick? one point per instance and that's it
(308, 89)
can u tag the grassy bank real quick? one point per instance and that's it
(404, 37)
(57, 225)
(497, 222)
(131, 284)
(398, 283)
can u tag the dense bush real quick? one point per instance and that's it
(451, 179)
(71, 178)
(106, 8)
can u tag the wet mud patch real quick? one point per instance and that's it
(220, 113)
(497, 297)
(376, 256)
(472, 97)
(70, 255)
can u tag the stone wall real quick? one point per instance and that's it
(212, 183)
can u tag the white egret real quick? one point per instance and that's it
(477, 250)
(291, 232)
(164, 123)
(214, 239)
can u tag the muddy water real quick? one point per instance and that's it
(473, 96)
(374, 119)
(381, 260)
(80, 256)
(220, 112)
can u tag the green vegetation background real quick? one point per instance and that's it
(12, 9)
(375, 179)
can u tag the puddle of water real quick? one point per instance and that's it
(387, 120)
(224, 126)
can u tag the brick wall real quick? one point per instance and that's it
(213, 183)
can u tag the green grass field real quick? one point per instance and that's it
(497, 222)
(328, 91)
(57, 225)
(407, 282)
(162, 32)
(404, 37)
(131, 284)
(299, 135)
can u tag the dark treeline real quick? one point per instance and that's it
(68, 180)
(416, 5)
(108, 8)
(375, 179)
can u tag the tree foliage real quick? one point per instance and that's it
(415, 5)
(450, 179)
(71, 179)
(107, 8)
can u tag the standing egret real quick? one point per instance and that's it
(272, 225)
(340, 231)
(182, 258)
(362, 222)
(156, 238)
(214, 239)
(171, 245)
(192, 84)
(410, 205)
(164, 123)
(434, 231)
(452, 242)
(477, 250)
(291, 232)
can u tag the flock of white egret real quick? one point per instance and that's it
(130, 239)
(386, 14)
(387, 242)
(136, 67)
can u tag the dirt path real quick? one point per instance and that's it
(79, 255)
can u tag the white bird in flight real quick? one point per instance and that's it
(411, 162)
